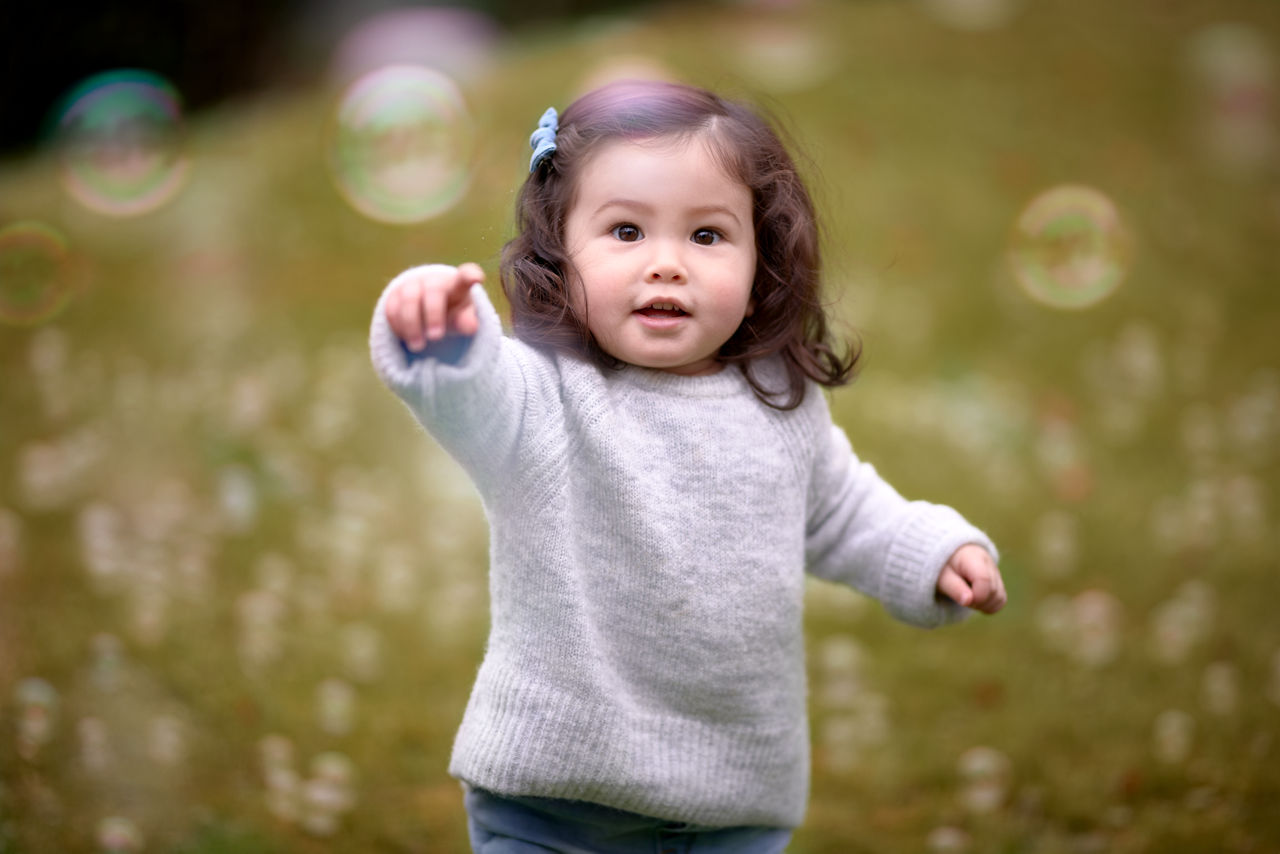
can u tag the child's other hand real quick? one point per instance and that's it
(425, 303)
(972, 579)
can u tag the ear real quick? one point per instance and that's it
(751, 307)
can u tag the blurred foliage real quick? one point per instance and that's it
(217, 529)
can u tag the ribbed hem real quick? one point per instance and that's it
(523, 739)
(916, 558)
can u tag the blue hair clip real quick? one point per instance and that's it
(543, 140)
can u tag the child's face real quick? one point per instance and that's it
(663, 249)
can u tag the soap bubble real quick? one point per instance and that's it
(37, 273)
(120, 138)
(399, 144)
(1069, 248)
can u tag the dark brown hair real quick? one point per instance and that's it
(789, 318)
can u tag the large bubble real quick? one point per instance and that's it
(37, 273)
(120, 138)
(400, 143)
(1070, 249)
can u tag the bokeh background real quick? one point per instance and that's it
(242, 596)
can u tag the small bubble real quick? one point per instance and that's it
(1069, 248)
(400, 143)
(120, 138)
(38, 273)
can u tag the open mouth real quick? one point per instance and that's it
(662, 309)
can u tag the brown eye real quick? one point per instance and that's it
(626, 233)
(706, 237)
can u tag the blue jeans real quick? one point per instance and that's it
(503, 825)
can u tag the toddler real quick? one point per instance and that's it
(659, 469)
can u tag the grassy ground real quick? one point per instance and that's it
(221, 540)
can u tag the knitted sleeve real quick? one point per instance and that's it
(861, 532)
(468, 393)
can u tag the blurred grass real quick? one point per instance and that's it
(218, 346)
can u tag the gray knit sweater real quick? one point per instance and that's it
(649, 539)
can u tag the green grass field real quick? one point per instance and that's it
(242, 596)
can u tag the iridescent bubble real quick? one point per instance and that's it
(1069, 248)
(120, 138)
(38, 273)
(400, 144)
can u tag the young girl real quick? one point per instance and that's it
(659, 470)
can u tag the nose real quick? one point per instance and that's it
(665, 264)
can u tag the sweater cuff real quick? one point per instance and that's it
(916, 559)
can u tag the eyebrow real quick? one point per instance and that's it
(644, 208)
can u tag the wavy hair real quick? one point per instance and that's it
(789, 320)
